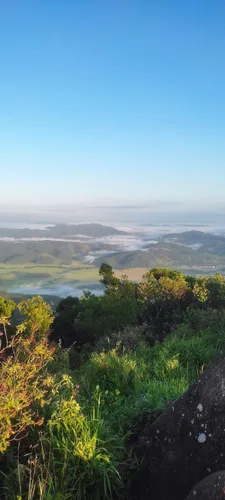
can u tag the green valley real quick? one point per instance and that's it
(69, 256)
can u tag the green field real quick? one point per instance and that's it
(78, 275)
(47, 275)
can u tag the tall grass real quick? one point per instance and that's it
(148, 378)
(76, 456)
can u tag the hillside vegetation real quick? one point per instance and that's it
(59, 244)
(78, 385)
(162, 254)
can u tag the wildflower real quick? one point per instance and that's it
(172, 364)
(40, 421)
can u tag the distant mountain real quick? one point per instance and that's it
(127, 259)
(163, 254)
(47, 251)
(207, 242)
(91, 230)
(62, 231)
(192, 237)
(23, 246)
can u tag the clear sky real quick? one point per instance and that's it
(112, 101)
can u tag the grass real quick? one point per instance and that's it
(75, 457)
(148, 378)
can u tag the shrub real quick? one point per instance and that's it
(6, 310)
(37, 317)
(129, 339)
(23, 386)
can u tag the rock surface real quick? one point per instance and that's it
(210, 488)
(185, 443)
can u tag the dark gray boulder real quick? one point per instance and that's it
(186, 442)
(210, 488)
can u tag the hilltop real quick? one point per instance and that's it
(47, 251)
(172, 252)
(207, 242)
(62, 231)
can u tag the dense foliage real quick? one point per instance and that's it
(160, 301)
(76, 386)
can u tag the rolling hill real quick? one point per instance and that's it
(162, 254)
(47, 252)
(207, 242)
(58, 264)
(62, 231)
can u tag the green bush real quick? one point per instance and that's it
(129, 339)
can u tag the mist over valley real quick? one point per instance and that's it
(63, 258)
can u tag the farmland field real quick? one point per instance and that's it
(25, 277)
(46, 275)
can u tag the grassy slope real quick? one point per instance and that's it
(131, 385)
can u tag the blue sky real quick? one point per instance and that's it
(112, 101)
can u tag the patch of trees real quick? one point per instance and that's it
(160, 302)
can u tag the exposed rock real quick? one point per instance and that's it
(210, 488)
(185, 443)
